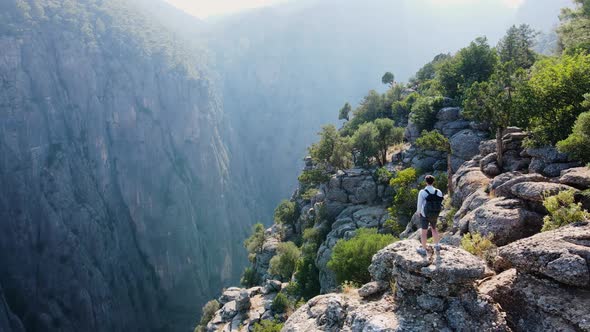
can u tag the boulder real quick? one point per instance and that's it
(562, 255)
(451, 128)
(535, 304)
(272, 286)
(537, 191)
(512, 161)
(547, 154)
(412, 132)
(466, 181)
(373, 288)
(365, 192)
(578, 177)
(230, 294)
(465, 144)
(472, 202)
(448, 114)
(506, 219)
(423, 162)
(554, 170)
(502, 187)
(486, 147)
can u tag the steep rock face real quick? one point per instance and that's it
(112, 168)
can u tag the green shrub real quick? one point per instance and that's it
(577, 145)
(563, 210)
(284, 262)
(207, 314)
(382, 175)
(249, 278)
(268, 326)
(332, 149)
(364, 142)
(309, 194)
(441, 181)
(254, 243)
(314, 177)
(285, 213)
(448, 220)
(307, 277)
(351, 258)
(424, 112)
(478, 245)
(280, 304)
(405, 194)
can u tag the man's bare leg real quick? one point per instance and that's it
(435, 235)
(424, 236)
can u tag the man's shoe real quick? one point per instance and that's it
(437, 247)
(421, 251)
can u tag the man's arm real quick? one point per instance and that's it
(420, 202)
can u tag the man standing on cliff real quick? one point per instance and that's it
(429, 207)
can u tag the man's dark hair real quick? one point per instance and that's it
(429, 179)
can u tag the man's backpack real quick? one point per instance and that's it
(433, 204)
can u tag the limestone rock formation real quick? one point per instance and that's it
(576, 177)
(431, 294)
(549, 286)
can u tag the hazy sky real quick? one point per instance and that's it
(207, 8)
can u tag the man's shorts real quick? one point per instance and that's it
(425, 221)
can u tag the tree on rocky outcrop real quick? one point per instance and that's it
(493, 102)
(364, 142)
(207, 314)
(387, 135)
(434, 140)
(285, 213)
(563, 210)
(284, 262)
(344, 113)
(424, 111)
(577, 145)
(332, 149)
(388, 78)
(254, 243)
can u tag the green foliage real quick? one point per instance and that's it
(448, 220)
(309, 194)
(577, 145)
(332, 149)
(553, 98)
(516, 47)
(563, 210)
(267, 325)
(344, 113)
(351, 258)
(405, 194)
(207, 314)
(474, 63)
(254, 243)
(364, 142)
(382, 175)
(371, 108)
(433, 140)
(424, 112)
(280, 304)
(284, 262)
(400, 110)
(478, 245)
(249, 278)
(307, 277)
(388, 78)
(313, 178)
(285, 213)
(387, 135)
(574, 32)
(441, 181)
(428, 71)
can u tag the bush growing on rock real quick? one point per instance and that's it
(351, 258)
(405, 193)
(424, 112)
(284, 262)
(267, 325)
(364, 142)
(207, 314)
(280, 304)
(254, 243)
(313, 178)
(285, 213)
(577, 145)
(249, 278)
(478, 245)
(563, 210)
(332, 149)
